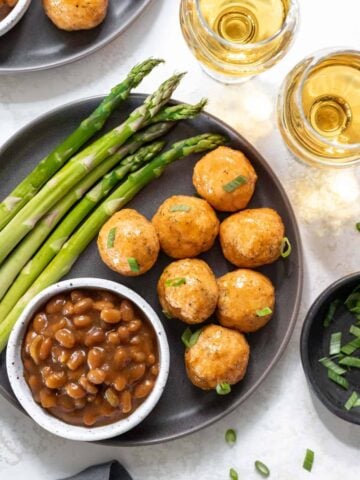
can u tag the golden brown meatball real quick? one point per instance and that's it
(76, 14)
(128, 243)
(220, 355)
(246, 300)
(226, 179)
(188, 290)
(252, 238)
(186, 226)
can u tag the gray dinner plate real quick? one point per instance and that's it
(183, 408)
(36, 44)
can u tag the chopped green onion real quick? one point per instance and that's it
(189, 339)
(175, 282)
(111, 238)
(351, 402)
(286, 248)
(335, 377)
(262, 468)
(330, 365)
(233, 474)
(351, 347)
(133, 264)
(180, 208)
(167, 315)
(358, 226)
(350, 362)
(230, 436)
(331, 312)
(352, 303)
(265, 311)
(235, 184)
(335, 343)
(355, 331)
(357, 403)
(223, 388)
(308, 460)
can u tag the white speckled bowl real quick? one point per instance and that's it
(14, 16)
(49, 422)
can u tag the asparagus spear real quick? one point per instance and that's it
(14, 202)
(77, 243)
(84, 162)
(15, 262)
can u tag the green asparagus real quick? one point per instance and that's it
(75, 170)
(72, 249)
(14, 202)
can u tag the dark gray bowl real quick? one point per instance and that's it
(183, 408)
(314, 344)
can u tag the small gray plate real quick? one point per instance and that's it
(183, 408)
(36, 44)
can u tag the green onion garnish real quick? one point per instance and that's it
(355, 331)
(167, 314)
(265, 311)
(230, 436)
(233, 474)
(331, 312)
(262, 468)
(111, 238)
(352, 303)
(352, 400)
(175, 282)
(350, 362)
(235, 184)
(286, 248)
(351, 347)
(189, 339)
(180, 208)
(358, 226)
(223, 388)
(330, 365)
(308, 460)
(133, 264)
(335, 377)
(357, 403)
(335, 343)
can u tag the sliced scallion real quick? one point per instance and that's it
(355, 331)
(180, 208)
(175, 282)
(286, 248)
(357, 226)
(351, 347)
(230, 436)
(111, 238)
(330, 365)
(133, 264)
(350, 362)
(233, 474)
(331, 312)
(352, 302)
(167, 314)
(351, 401)
(265, 311)
(338, 379)
(189, 339)
(235, 184)
(262, 469)
(335, 343)
(309, 460)
(223, 388)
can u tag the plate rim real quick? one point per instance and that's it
(300, 274)
(83, 53)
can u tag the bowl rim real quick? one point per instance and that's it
(310, 318)
(49, 422)
(14, 16)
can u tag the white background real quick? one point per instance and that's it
(281, 419)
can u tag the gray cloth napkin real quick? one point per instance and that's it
(106, 471)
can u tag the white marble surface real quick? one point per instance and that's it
(282, 419)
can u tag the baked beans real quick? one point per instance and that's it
(90, 358)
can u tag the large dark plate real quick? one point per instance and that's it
(183, 408)
(36, 44)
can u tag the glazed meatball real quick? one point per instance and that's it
(188, 290)
(226, 179)
(76, 14)
(246, 300)
(186, 226)
(220, 355)
(128, 243)
(252, 238)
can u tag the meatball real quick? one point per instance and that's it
(186, 226)
(246, 300)
(76, 14)
(226, 179)
(128, 243)
(252, 238)
(220, 355)
(188, 290)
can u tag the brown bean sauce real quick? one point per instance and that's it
(90, 358)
